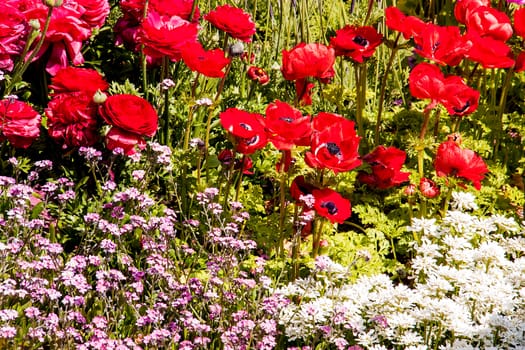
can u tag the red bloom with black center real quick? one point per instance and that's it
(489, 52)
(233, 21)
(443, 45)
(428, 188)
(331, 205)
(407, 25)
(258, 74)
(300, 187)
(334, 144)
(210, 63)
(459, 98)
(286, 126)
(386, 163)
(355, 42)
(246, 128)
(452, 160)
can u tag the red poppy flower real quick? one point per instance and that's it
(458, 98)
(74, 79)
(247, 129)
(519, 21)
(286, 126)
(407, 25)
(331, 205)
(308, 60)
(487, 21)
(210, 63)
(426, 81)
(258, 74)
(334, 144)
(165, 36)
(130, 113)
(356, 42)
(463, 8)
(489, 52)
(233, 21)
(72, 119)
(19, 123)
(128, 141)
(452, 160)
(386, 166)
(443, 45)
(428, 188)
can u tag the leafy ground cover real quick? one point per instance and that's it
(300, 174)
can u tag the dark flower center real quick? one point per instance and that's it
(252, 141)
(286, 119)
(359, 40)
(330, 206)
(462, 109)
(435, 46)
(333, 149)
(245, 126)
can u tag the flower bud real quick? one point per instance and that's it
(53, 3)
(236, 49)
(34, 24)
(99, 97)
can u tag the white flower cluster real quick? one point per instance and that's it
(468, 292)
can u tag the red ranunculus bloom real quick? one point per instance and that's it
(331, 205)
(286, 126)
(95, 12)
(463, 8)
(386, 166)
(519, 21)
(181, 8)
(407, 25)
(308, 60)
(232, 20)
(334, 144)
(489, 52)
(355, 42)
(130, 113)
(13, 31)
(428, 188)
(74, 79)
(443, 45)
(210, 63)
(165, 36)
(72, 119)
(64, 38)
(128, 141)
(487, 21)
(19, 123)
(258, 74)
(459, 98)
(452, 160)
(426, 81)
(246, 128)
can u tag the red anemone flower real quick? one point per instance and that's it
(398, 21)
(459, 98)
(452, 160)
(426, 81)
(386, 166)
(331, 205)
(520, 62)
(246, 128)
(489, 22)
(209, 63)
(308, 60)
(286, 126)
(519, 21)
(443, 45)
(233, 21)
(463, 8)
(300, 187)
(334, 144)
(356, 42)
(428, 188)
(489, 52)
(258, 74)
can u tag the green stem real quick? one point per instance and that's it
(447, 200)
(421, 146)
(501, 111)
(239, 180)
(316, 235)
(18, 72)
(282, 209)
